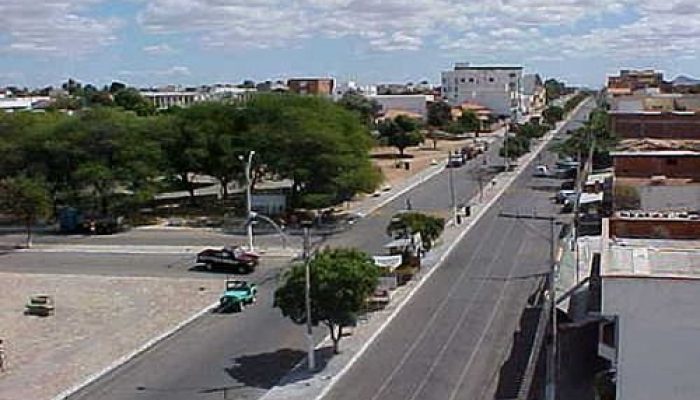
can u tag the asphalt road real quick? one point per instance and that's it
(241, 356)
(453, 338)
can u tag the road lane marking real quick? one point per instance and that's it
(463, 316)
(436, 313)
(541, 146)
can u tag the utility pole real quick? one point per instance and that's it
(552, 353)
(307, 299)
(249, 196)
(453, 195)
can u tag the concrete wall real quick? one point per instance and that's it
(497, 89)
(658, 125)
(652, 228)
(648, 166)
(415, 103)
(658, 336)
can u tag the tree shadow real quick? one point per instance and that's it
(390, 156)
(265, 370)
(511, 372)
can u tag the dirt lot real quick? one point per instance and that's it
(98, 319)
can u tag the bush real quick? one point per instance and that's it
(430, 227)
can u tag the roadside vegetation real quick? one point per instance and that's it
(112, 158)
(342, 281)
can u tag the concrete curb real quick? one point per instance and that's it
(525, 161)
(126, 358)
(145, 249)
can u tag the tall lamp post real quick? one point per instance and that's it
(307, 297)
(248, 193)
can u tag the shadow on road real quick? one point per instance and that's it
(511, 373)
(266, 369)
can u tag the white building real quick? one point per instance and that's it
(534, 95)
(409, 103)
(650, 296)
(166, 99)
(350, 86)
(12, 104)
(497, 87)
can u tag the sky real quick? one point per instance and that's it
(192, 42)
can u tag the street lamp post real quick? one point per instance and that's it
(249, 195)
(307, 299)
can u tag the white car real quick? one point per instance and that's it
(564, 195)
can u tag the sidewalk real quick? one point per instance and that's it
(299, 384)
(146, 249)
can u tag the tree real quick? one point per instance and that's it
(554, 89)
(320, 146)
(26, 199)
(553, 114)
(468, 121)
(626, 197)
(116, 87)
(594, 133)
(532, 130)
(515, 146)
(341, 282)
(401, 132)
(439, 114)
(366, 108)
(429, 227)
(131, 100)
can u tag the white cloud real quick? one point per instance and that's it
(159, 49)
(54, 27)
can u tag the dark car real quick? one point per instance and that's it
(233, 257)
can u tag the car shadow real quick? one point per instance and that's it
(219, 271)
(265, 370)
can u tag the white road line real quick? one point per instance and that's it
(463, 316)
(430, 324)
(444, 256)
(492, 317)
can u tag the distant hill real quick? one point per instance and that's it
(682, 80)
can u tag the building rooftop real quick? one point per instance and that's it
(653, 258)
(466, 65)
(656, 153)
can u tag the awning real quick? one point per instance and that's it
(588, 198)
(388, 262)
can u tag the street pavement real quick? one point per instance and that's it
(453, 337)
(243, 355)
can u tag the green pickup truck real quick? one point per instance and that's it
(237, 295)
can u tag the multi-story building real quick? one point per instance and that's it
(630, 81)
(162, 100)
(313, 86)
(534, 97)
(496, 87)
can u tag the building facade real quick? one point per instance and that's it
(655, 124)
(497, 87)
(313, 86)
(634, 80)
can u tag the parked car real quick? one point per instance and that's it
(234, 257)
(456, 160)
(41, 305)
(237, 294)
(541, 171)
(564, 195)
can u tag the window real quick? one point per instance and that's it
(471, 80)
(462, 80)
(512, 75)
(491, 79)
(671, 161)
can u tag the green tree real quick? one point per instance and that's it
(593, 134)
(131, 100)
(26, 199)
(341, 282)
(515, 147)
(554, 89)
(366, 108)
(430, 227)
(553, 114)
(401, 132)
(439, 114)
(532, 130)
(321, 147)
